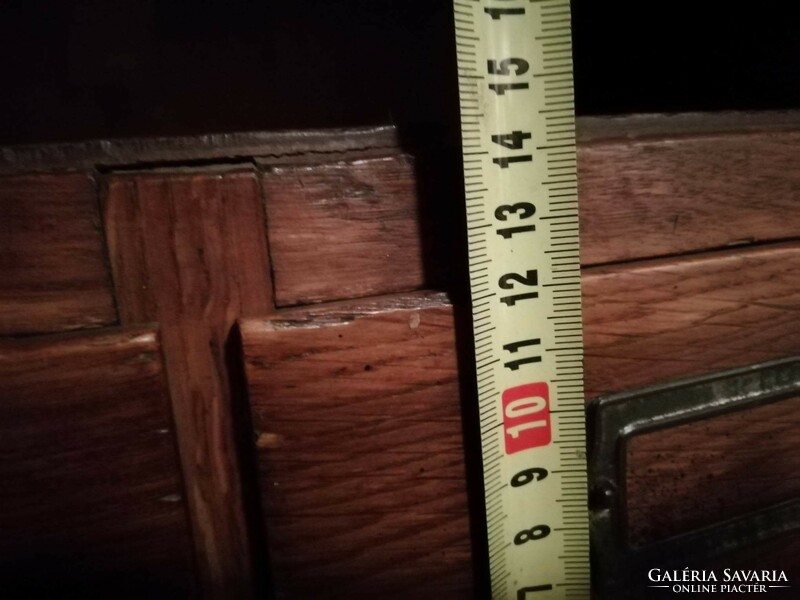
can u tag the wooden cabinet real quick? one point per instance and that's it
(241, 364)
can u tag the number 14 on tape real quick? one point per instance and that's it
(520, 182)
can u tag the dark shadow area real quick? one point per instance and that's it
(687, 56)
(441, 208)
(470, 422)
(443, 231)
(82, 69)
(248, 462)
(68, 572)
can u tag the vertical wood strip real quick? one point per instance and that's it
(189, 251)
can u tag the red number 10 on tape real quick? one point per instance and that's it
(526, 417)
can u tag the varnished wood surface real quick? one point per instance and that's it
(358, 424)
(351, 228)
(711, 470)
(52, 260)
(657, 197)
(91, 502)
(344, 229)
(189, 251)
(332, 381)
(655, 321)
(351, 216)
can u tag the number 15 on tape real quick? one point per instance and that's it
(520, 184)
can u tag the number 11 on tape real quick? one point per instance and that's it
(520, 182)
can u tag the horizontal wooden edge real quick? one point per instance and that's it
(623, 128)
(180, 173)
(343, 311)
(714, 254)
(380, 155)
(220, 147)
(145, 335)
(269, 147)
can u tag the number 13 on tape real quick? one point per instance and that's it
(520, 182)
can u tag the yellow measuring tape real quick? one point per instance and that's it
(520, 179)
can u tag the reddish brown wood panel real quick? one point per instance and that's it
(91, 502)
(358, 423)
(668, 196)
(349, 401)
(712, 470)
(344, 229)
(52, 257)
(655, 321)
(189, 251)
(355, 228)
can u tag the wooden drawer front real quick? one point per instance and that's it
(52, 259)
(658, 197)
(358, 419)
(356, 412)
(343, 230)
(655, 321)
(712, 470)
(91, 504)
(366, 227)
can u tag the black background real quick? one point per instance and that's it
(78, 69)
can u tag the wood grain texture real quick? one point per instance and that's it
(713, 470)
(337, 391)
(358, 423)
(679, 194)
(343, 230)
(91, 503)
(656, 321)
(360, 227)
(52, 258)
(189, 251)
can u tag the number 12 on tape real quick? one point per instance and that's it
(520, 183)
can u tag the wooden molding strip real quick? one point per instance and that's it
(592, 130)
(278, 145)
(220, 147)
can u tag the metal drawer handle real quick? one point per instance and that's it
(614, 420)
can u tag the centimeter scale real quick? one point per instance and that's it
(520, 179)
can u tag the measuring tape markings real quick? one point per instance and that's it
(520, 181)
